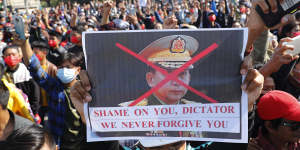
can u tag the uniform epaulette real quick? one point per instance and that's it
(144, 102)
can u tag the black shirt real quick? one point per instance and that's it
(284, 82)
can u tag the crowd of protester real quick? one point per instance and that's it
(41, 96)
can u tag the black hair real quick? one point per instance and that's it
(40, 44)
(56, 34)
(10, 47)
(76, 59)
(287, 29)
(211, 13)
(79, 28)
(29, 138)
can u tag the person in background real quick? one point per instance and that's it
(31, 137)
(279, 113)
(41, 49)
(2, 44)
(76, 39)
(284, 69)
(212, 21)
(56, 50)
(9, 121)
(291, 30)
(17, 73)
(64, 121)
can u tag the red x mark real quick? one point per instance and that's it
(170, 76)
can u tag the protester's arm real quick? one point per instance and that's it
(253, 85)
(52, 69)
(214, 7)
(45, 19)
(158, 17)
(253, 82)
(133, 20)
(198, 21)
(37, 72)
(156, 14)
(26, 50)
(80, 93)
(255, 23)
(73, 19)
(139, 12)
(106, 9)
(38, 19)
(170, 23)
(227, 10)
(205, 20)
(279, 58)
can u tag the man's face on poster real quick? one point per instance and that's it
(171, 92)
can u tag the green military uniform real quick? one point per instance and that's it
(153, 100)
(169, 52)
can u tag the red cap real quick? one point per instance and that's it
(278, 104)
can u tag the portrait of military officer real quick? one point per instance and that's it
(169, 53)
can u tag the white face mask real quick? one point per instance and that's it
(90, 29)
(221, 9)
(66, 75)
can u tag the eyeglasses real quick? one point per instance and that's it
(293, 125)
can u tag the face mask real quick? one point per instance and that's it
(39, 57)
(221, 9)
(66, 75)
(294, 34)
(52, 43)
(243, 10)
(187, 20)
(12, 61)
(90, 29)
(212, 18)
(74, 40)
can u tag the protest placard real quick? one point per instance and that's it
(166, 84)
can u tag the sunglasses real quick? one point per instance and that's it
(293, 125)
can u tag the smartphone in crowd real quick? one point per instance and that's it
(284, 7)
(19, 26)
(296, 44)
